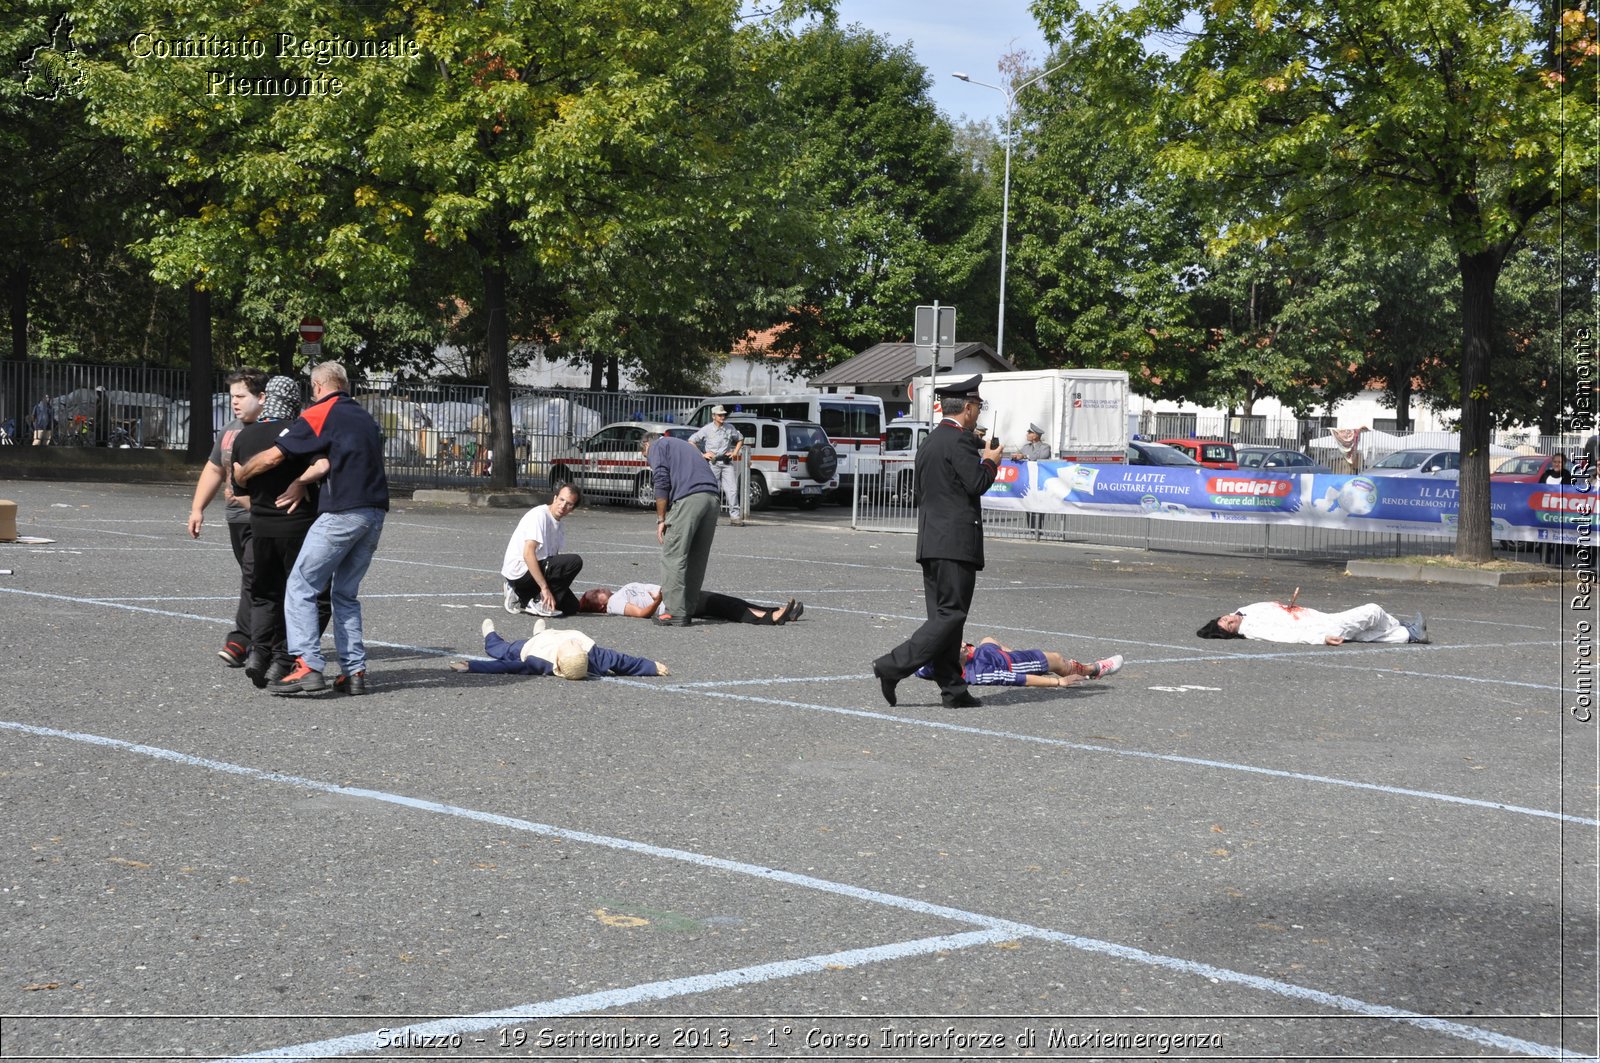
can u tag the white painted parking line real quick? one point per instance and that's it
(1083, 747)
(708, 690)
(606, 999)
(991, 924)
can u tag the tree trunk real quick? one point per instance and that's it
(597, 368)
(613, 374)
(1402, 401)
(503, 471)
(201, 372)
(17, 302)
(1480, 272)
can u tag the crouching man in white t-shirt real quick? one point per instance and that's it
(537, 571)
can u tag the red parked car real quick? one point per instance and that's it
(1212, 453)
(1523, 469)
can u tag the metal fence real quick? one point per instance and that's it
(438, 435)
(435, 435)
(894, 510)
(97, 405)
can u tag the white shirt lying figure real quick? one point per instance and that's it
(1278, 622)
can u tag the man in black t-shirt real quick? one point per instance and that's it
(276, 530)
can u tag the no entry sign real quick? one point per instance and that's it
(311, 330)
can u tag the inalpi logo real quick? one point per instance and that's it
(1562, 502)
(1254, 488)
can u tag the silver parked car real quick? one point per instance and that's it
(1278, 459)
(1440, 464)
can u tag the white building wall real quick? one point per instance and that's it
(738, 374)
(1357, 412)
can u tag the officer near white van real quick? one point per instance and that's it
(1035, 449)
(721, 443)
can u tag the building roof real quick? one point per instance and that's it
(896, 363)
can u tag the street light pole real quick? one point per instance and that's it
(1005, 194)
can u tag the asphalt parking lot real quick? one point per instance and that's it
(1235, 850)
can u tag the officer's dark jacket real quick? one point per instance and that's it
(950, 480)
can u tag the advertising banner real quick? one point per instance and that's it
(1407, 505)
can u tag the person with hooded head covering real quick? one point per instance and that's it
(279, 520)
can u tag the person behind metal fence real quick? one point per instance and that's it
(686, 522)
(721, 443)
(353, 503)
(44, 422)
(538, 572)
(1035, 449)
(950, 479)
(246, 392)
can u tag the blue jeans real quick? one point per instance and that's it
(340, 546)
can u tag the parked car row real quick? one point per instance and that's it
(1218, 454)
(788, 459)
(795, 460)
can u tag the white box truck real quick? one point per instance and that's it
(1084, 412)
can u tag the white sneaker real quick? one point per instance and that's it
(538, 626)
(488, 628)
(512, 605)
(536, 608)
(1106, 667)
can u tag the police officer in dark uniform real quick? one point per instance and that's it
(951, 476)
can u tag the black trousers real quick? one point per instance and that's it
(244, 554)
(947, 587)
(734, 610)
(559, 572)
(274, 560)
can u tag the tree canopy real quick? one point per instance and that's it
(1385, 123)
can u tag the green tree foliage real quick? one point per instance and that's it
(1388, 122)
(1104, 251)
(901, 219)
(469, 164)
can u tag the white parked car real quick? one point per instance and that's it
(1434, 464)
(608, 464)
(788, 459)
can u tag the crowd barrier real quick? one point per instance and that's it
(1208, 510)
